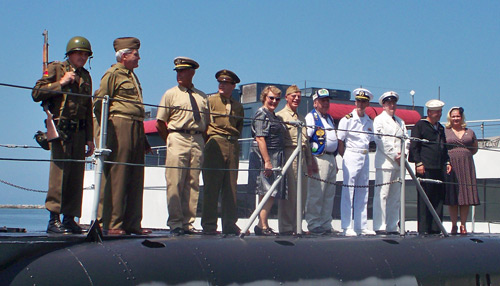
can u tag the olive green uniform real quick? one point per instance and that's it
(287, 208)
(73, 117)
(221, 152)
(184, 149)
(123, 186)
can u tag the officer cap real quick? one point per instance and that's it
(321, 93)
(292, 89)
(227, 76)
(388, 96)
(362, 94)
(434, 104)
(126, 43)
(182, 63)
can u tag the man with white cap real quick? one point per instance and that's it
(323, 141)
(431, 162)
(386, 198)
(354, 135)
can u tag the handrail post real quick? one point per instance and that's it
(299, 180)
(95, 230)
(424, 197)
(402, 216)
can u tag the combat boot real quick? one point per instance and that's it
(55, 225)
(70, 224)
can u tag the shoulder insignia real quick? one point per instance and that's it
(349, 116)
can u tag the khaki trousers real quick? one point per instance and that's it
(183, 150)
(123, 186)
(287, 208)
(220, 153)
(321, 195)
(66, 178)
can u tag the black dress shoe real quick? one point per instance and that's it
(257, 230)
(70, 224)
(55, 225)
(192, 231)
(380, 232)
(177, 231)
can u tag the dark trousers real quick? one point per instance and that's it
(435, 193)
(220, 153)
(66, 178)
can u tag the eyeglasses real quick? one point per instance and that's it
(272, 98)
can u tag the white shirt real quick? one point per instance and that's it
(331, 135)
(356, 140)
(388, 147)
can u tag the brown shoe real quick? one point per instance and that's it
(116, 231)
(141, 231)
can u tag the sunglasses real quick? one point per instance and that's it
(272, 98)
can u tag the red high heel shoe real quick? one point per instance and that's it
(463, 230)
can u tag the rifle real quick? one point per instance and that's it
(52, 133)
(45, 55)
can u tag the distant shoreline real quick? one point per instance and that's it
(22, 206)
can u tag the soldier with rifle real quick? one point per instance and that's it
(72, 116)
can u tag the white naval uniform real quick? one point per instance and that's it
(386, 198)
(355, 167)
(320, 195)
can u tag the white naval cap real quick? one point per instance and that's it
(363, 94)
(321, 94)
(387, 96)
(434, 104)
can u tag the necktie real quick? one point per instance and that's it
(194, 106)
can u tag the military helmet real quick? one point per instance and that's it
(78, 43)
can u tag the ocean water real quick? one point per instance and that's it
(33, 220)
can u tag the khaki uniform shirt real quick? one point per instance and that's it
(120, 83)
(62, 105)
(290, 138)
(220, 124)
(178, 114)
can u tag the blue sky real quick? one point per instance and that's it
(380, 45)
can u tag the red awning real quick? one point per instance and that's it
(338, 110)
(150, 126)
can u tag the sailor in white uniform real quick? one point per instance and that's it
(386, 198)
(355, 133)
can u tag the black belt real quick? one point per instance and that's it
(329, 153)
(190, 132)
(70, 124)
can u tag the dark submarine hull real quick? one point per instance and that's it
(218, 260)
